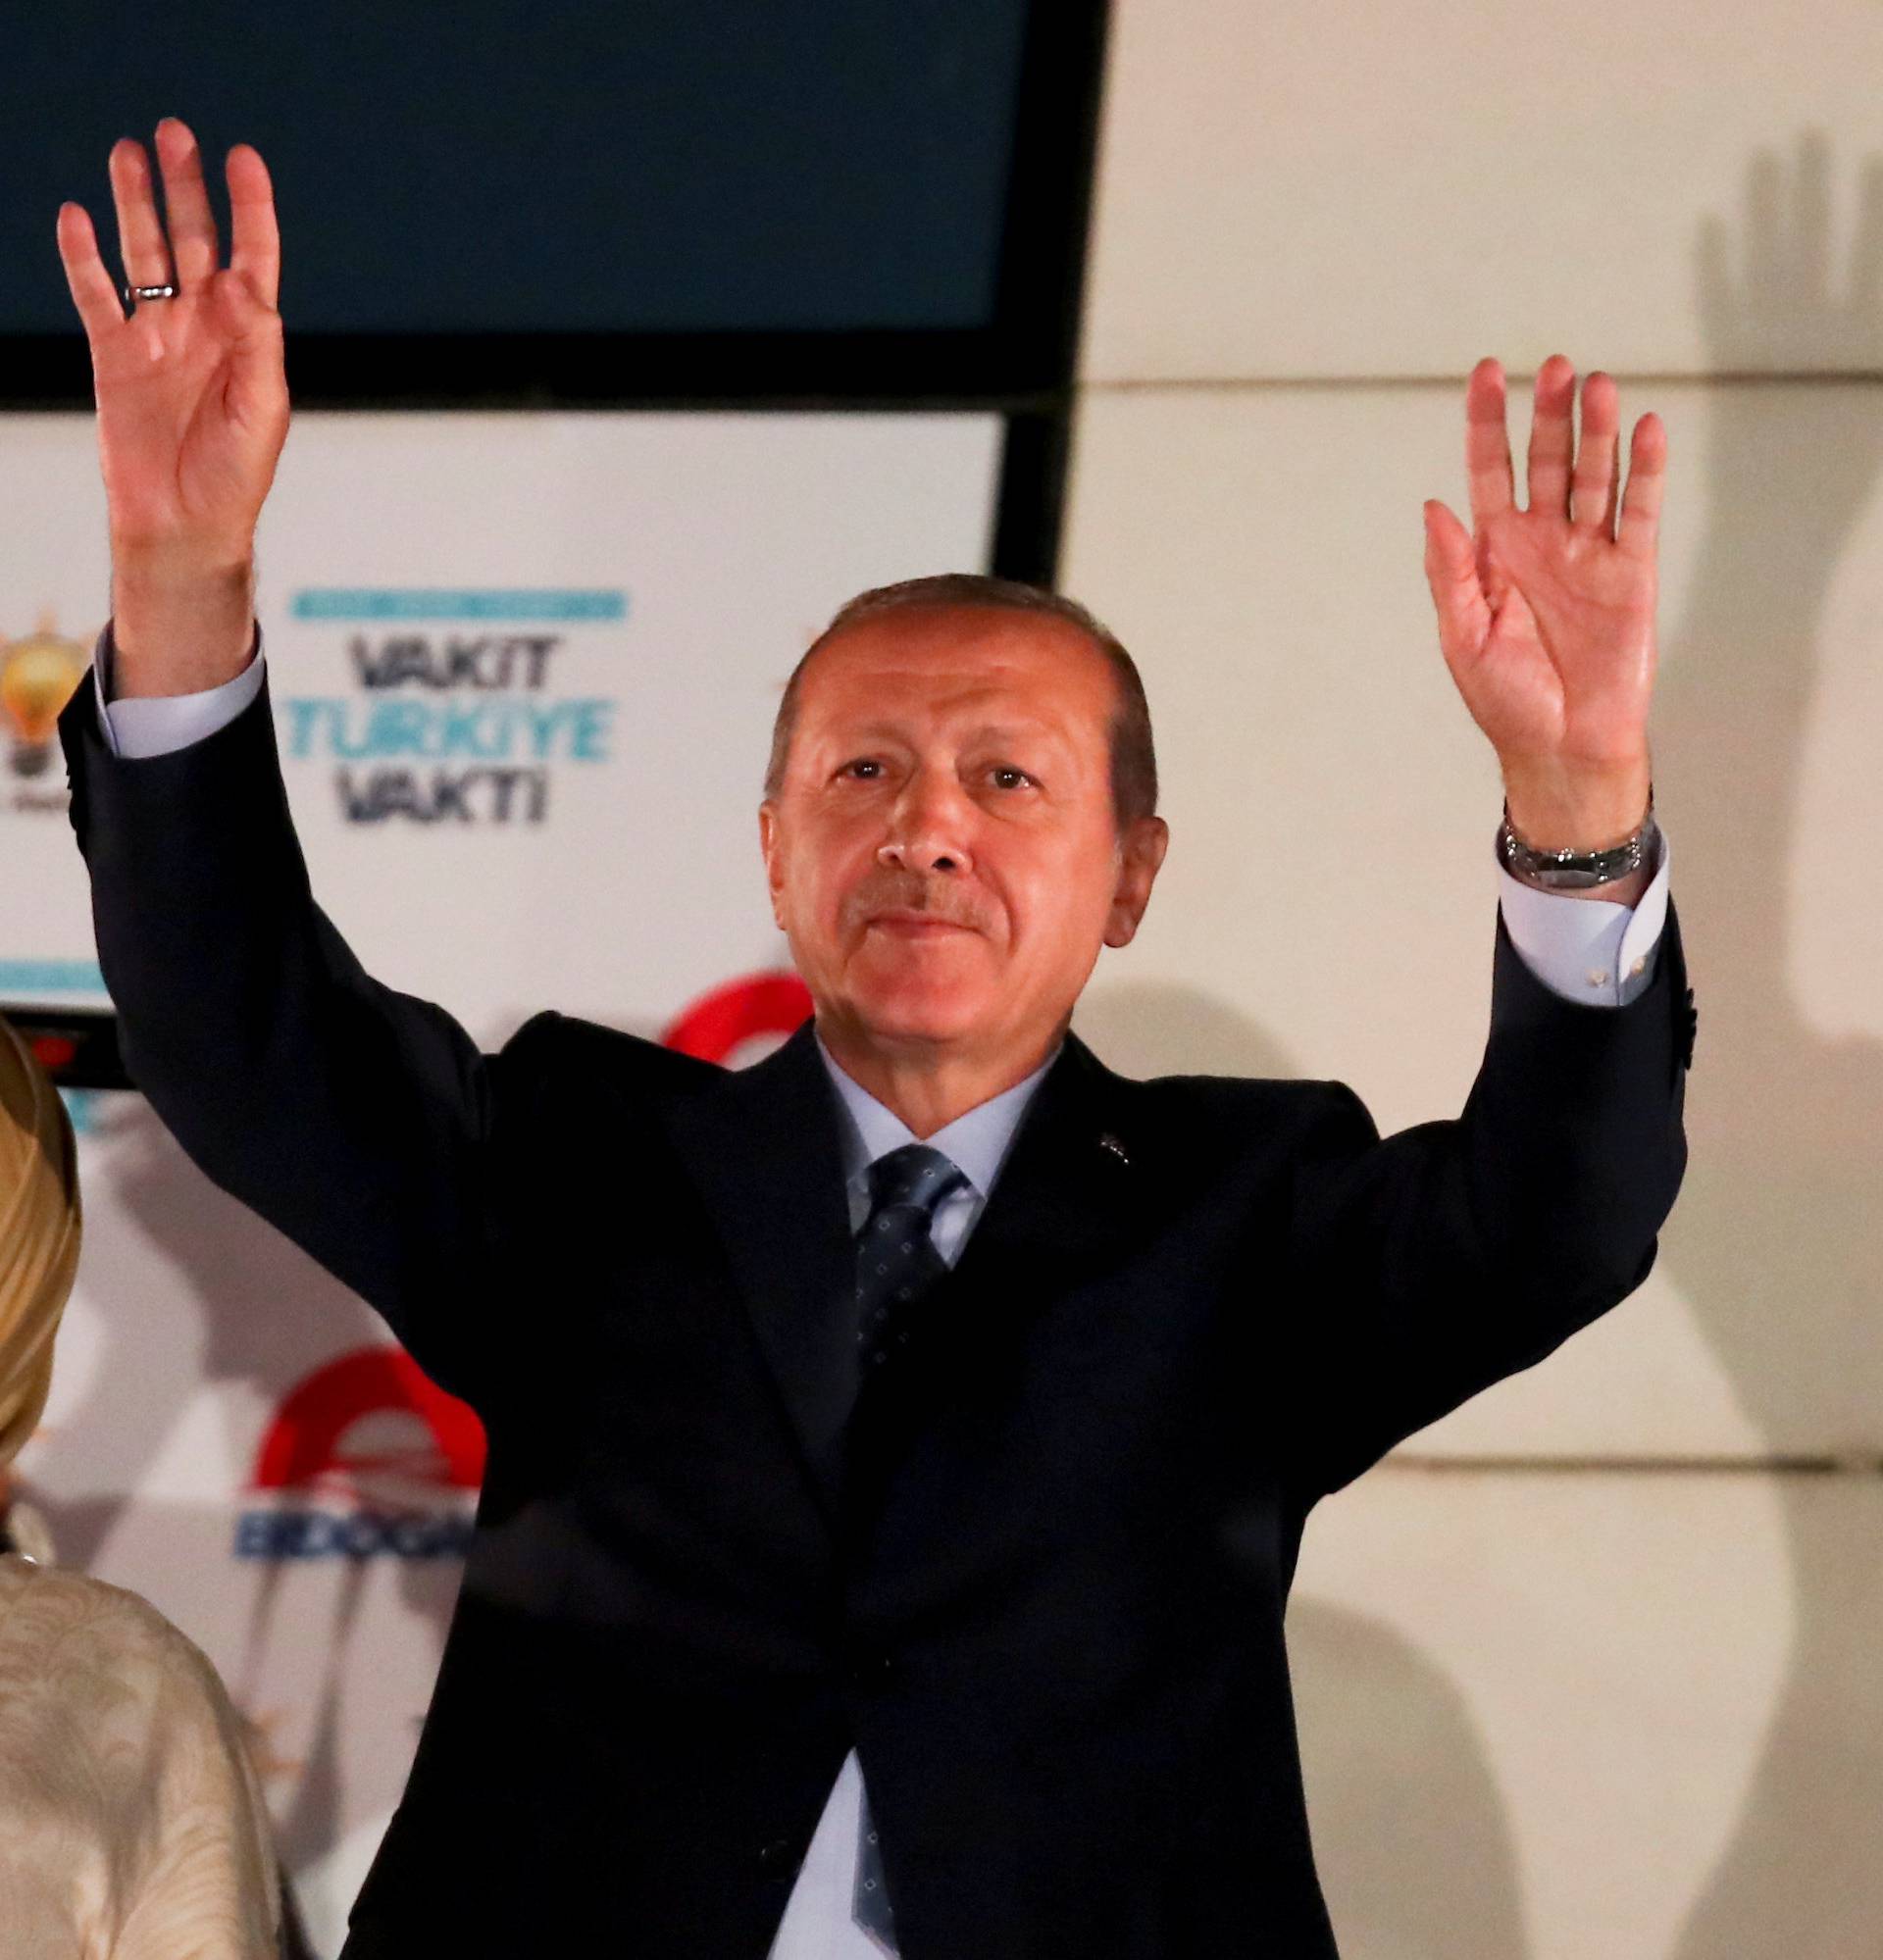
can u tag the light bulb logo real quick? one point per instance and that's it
(38, 676)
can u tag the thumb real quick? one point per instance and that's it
(239, 312)
(257, 383)
(1458, 594)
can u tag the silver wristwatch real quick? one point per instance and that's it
(1578, 871)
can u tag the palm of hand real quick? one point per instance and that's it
(1564, 663)
(182, 442)
(1547, 614)
(192, 392)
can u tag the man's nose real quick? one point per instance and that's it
(928, 828)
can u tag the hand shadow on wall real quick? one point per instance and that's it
(1404, 1809)
(1777, 1240)
(261, 1313)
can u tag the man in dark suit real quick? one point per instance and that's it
(831, 1596)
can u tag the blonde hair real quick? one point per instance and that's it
(40, 1233)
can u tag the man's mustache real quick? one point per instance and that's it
(889, 890)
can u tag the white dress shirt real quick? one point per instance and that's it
(817, 1923)
(1587, 950)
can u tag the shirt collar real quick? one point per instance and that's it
(976, 1143)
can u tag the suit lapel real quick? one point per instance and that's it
(764, 1147)
(1065, 1197)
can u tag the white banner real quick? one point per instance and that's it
(524, 670)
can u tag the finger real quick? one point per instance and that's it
(140, 236)
(1866, 251)
(1646, 478)
(94, 292)
(1451, 572)
(1487, 443)
(1552, 436)
(255, 236)
(1766, 271)
(1718, 296)
(192, 225)
(1809, 227)
(1592, 496)
(257, 394)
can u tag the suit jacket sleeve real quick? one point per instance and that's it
(1430, 1265)
(357, 1119)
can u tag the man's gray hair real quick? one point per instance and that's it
(1134, 758)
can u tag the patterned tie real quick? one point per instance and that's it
(896, 1263)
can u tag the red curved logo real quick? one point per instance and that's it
(754, 1008)
(417, 1432)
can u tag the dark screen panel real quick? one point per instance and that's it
(669, 166)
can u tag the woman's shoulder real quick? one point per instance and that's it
(120, 1754)
(86, 1646)
(46, 1606)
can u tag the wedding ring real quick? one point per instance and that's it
(132, 294)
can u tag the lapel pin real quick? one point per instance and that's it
(1109, 1143)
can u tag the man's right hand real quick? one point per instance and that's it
(192, 408)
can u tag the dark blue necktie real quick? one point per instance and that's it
(896, 1263)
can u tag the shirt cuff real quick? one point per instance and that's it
(148, 725)
(1589, 950)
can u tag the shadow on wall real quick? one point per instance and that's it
(1777, 1241)
(242, 1309)
(1406, 1812)
(1408, 1819)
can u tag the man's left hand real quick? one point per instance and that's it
(1546, 615)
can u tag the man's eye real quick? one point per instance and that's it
(1006, 776)
(864, 769)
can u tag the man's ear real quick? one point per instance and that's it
(769, 844)
(1139, 857)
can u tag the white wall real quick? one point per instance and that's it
(1596, 1674)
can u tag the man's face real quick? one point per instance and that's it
(943, 851)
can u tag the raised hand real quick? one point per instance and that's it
(192, 406)
(1547, 614)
